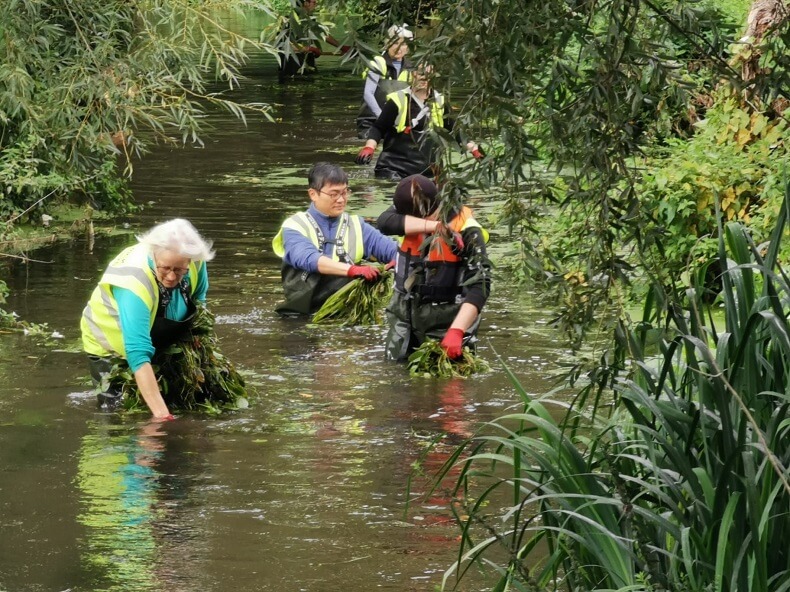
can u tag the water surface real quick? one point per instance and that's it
(304, 491)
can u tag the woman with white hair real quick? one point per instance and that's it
(385, 74)
(145, 301)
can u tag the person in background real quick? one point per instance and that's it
(385, 74)
(323, 248)
(402, 126)
(299, 41)
(145, 301)
(442, 271)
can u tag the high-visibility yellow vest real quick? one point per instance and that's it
(401, 99)
(378, 65)
(352, 239)
(101, 323)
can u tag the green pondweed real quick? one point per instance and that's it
(431, 360)
(358, 302)
(192, 374)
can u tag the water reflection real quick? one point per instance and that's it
(134, 489)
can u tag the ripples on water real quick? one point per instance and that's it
(307, 489)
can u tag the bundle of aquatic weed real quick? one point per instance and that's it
(192, 374)
(358, 302)
(431, 360)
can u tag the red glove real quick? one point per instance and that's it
(390, 265)
(365, 155)
(453, 343)
(315, 50)
(169, 417)
(478, 153)
(344, 49)
(458, 240)
(366, 272)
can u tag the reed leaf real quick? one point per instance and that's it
(686, 487)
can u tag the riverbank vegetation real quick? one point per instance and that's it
(88, 86)
(639, 149)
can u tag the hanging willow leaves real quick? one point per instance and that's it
(192, 374)
(431, 360)
(358, 302)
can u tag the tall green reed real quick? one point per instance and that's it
(683, 485)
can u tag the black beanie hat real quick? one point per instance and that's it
(415, 195)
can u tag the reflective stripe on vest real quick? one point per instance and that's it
(101, 323)
(401, 99)
(352, 238)
(439, 249)
(378, 65)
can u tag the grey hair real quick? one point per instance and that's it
(178, 235)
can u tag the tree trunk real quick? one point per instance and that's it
(764, 16)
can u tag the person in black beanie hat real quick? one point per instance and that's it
(441, 284)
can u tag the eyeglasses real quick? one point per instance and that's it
(166, 270)
(335, 195)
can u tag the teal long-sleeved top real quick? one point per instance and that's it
(135, 318)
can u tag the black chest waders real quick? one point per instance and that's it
(306, 292)
(165, 332)
(410, 152)
(425, 302)
(366, 118)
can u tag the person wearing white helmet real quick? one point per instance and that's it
(385, 74)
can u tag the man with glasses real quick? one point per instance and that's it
(323, 248)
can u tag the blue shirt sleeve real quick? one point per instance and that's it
(201, 288)
(135, 319)
(369, 94)
(300, 252)
(383, 248)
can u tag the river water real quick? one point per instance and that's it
(304, 491)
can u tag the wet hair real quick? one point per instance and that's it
(179, 236)
(326, 173)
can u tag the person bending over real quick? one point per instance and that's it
(145, 301)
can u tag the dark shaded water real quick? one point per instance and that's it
(305, 490)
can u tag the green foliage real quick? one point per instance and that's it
(358, 302)
(732, 164)
(684, 486)
(192, 374)
(430, 359)
(78, 80)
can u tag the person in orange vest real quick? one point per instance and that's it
(442, 271)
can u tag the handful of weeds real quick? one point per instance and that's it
(431, 360)
(192, 374)
(358, 302)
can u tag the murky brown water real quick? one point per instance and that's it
(304, 491)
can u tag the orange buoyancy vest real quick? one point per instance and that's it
(439, 269)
